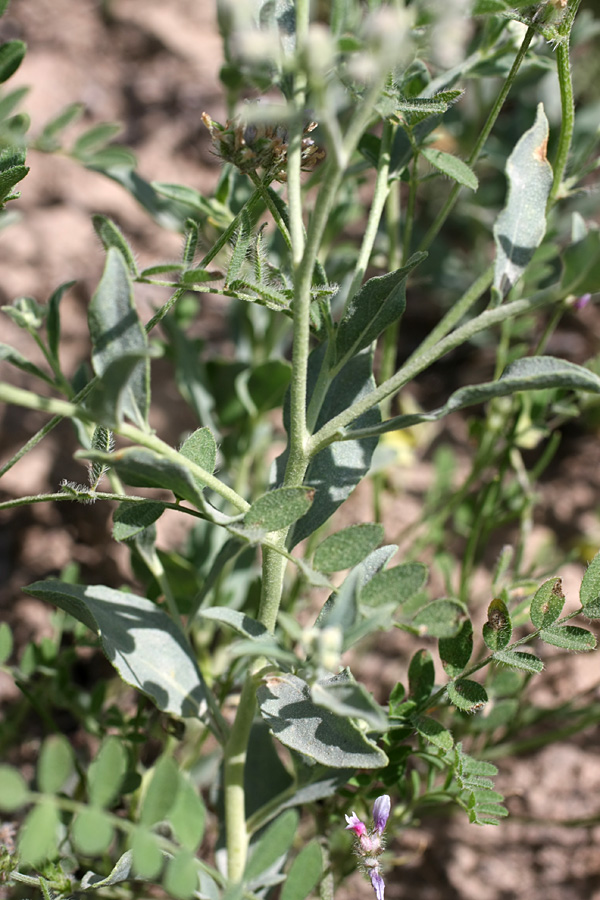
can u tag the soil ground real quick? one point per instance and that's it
(154, 67)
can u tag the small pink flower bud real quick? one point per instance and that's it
(354, 824)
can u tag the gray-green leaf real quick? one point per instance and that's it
(521, 225)
(279, 508)
(348, 547)
(144, 645)
(117, 332)
(452, 166)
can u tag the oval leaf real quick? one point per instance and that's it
(106, 772)
(92, 832)
(55, 764)
(497, 631)
(144, 645)
(569, 637)
(467, 695)
(547, 603)
(13, 789)
(348, 547)
(304, 873)
(279, 508)
(433, 732)
(201, 448)
(590, 586)
(131, 518)
(441, 618)
(394, 586)
(518, 659)
(271, 845)
(294, 718)
(455, 652)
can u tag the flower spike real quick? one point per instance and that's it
(369, 845)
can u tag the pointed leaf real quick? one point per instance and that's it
(519, 659)
(521, 225)
(528, 374)
(117, 332)
(121, 871)
(547, 603)
(240, 622)
(279, 508)
(12, 356)
(142, 642)
(348, 547)
(378, 303)
(112, 236)
(53, 317)
(569, 637)
(292, 716)
(452, 166)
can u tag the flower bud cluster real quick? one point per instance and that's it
(370, 844)
(251, 146)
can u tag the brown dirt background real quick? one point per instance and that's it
(154, 67)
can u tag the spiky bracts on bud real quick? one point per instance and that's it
(370, 844)
(261, 146)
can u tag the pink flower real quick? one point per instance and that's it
(354, 824)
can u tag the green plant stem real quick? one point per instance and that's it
(483, 136)
(567, 126)
(234, 762)
(20, 397)
(335, 428)
(263, 187)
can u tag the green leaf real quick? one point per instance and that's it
(569, 637)
(187, 816)
(144, 468)
(55, 764)
(48, 139)
(497, 631)
(112, 236)
(547, 603)
(293, 717)
(147, 857)
(13, 789)
(240, 622)
(529, 374)
(6, 645)
(12, 356)
(271, 845)
(581, 265)
(378, 303)
(455, 652)
(394, 586)
(201, 448)
(198, 276)
(129, 519)
(590, 586)
(160, 792)
(467, 695)
(121, 871)
(38, 836)
(144, 645)
(94, 139)
(106, 772)
(117, 332)
(347, 698)
(452, 166)
(518, 659)
(181, 876)
(11, 57)
(421, 676)
(441, 618)
(348, 547)
(304, 873)
(92, 832)
(521, 225)
(279, 508)
(53, 318)
(433, 732)
(336, 470)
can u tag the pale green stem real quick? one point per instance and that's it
(567, 104)
(20, 397)
(485, 132)
(334, 429)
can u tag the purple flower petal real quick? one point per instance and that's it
(381, 812)
(378, 883)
